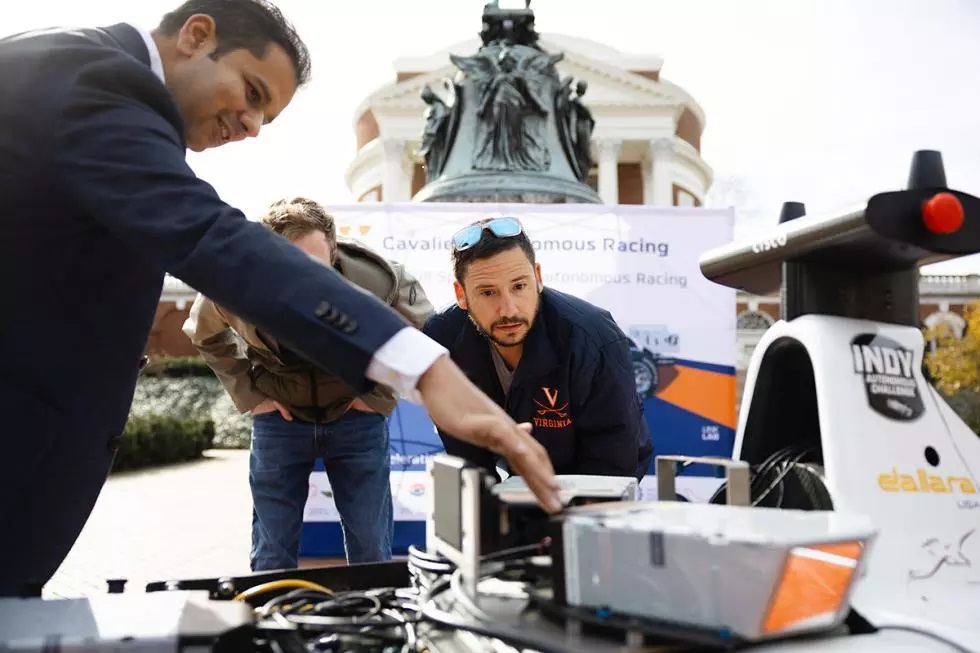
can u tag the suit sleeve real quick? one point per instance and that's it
(412, 302)
(212, 336)
(435, 328)
(611, 433)
(122, 162)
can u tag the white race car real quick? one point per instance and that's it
(841, 377)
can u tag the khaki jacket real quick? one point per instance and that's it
(252, 366)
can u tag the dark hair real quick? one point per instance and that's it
(489, 245)
(296, 217)
(245, 25)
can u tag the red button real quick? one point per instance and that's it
(942, 213)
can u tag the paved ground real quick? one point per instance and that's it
(180, 521)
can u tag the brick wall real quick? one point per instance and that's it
(166, 337)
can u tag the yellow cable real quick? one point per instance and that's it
(286, 583)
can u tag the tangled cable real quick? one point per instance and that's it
(480, 623)
(310, 617)
(770, 475)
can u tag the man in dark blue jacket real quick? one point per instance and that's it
(97, 203)
(548, 358)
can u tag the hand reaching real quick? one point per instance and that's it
(460, 409)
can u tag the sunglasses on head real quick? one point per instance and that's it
(500, 227)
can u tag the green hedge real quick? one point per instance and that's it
(178, 367)
(179, 410)
(160, 440)
(193, 397)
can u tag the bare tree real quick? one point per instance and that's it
(732, 191)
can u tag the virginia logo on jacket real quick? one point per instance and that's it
(550, 414)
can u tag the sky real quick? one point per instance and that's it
(819, 101)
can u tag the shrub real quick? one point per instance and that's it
(179, 410)
(233, 430)
(196, 398)
(177, 367)
(953, 363)
(186, 397)
(160, 440)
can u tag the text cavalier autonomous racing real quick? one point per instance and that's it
(638, 246)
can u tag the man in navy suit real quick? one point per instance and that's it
(97, 203)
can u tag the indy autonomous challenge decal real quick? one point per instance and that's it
(886, 368)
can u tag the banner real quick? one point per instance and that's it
(638, 262)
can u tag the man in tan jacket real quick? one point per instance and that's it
(301, 412)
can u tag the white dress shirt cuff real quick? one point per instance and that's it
(403, 360)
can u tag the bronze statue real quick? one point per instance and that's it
(511, 110)
(565, 119)
(439, 129)
(584, 124)
(508, 130)
(575, 125)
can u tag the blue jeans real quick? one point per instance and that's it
(355, 453)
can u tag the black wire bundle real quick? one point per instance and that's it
(311, 620)
(769, 476)
(480, 623)
(779, 464)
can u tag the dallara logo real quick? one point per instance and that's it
(922, 481)
(348, 230)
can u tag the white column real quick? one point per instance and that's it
(392, 189)
(408, 170)
(608, 150)
(660, 184)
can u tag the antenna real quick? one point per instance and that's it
(927, 171)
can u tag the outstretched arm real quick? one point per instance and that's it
(122, 162)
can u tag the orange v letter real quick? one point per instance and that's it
(551, 396)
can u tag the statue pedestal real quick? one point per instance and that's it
(492, 187)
